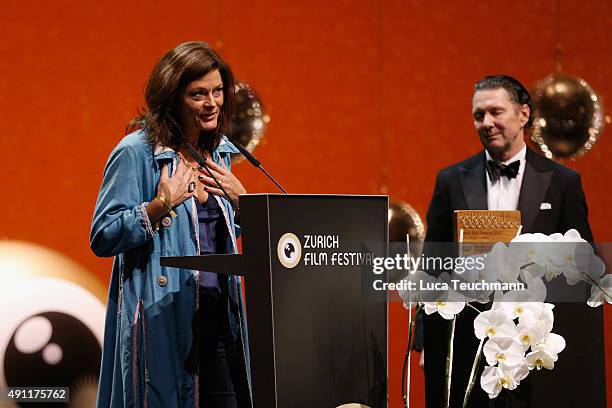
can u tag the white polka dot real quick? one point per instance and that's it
(33, 335)
(52, 354)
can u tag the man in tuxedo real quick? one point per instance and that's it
(507, 175)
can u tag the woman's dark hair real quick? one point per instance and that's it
(163, 95)
(517, 92)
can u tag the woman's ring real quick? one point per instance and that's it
(191, 187)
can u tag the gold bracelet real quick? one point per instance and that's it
(165, 203)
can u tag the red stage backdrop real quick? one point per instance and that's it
(351, 87)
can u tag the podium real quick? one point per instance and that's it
(317, 338)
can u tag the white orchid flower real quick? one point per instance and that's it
(480, 296)
(519, 371)
(494, 379)
(553, 344)
(494, 323)
(513, 309)
(594, 270)
(448, 305)
(539, 314)
(434, 288)
(496, 267)
(535, 324)
(529, 335)
(504, 350)
(516, 302)
(527, 248)
(471, 271)
(572, 256)
(499, 265)
(556, 254)
(551, 273)
(532, 252)
(540, 358)
(413, 297)
(533, 238)
(602, 292)
(563, 261)
(535, 286)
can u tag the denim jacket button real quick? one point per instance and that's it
(162, 280)
(166, 221)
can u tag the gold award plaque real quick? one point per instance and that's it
(485, 228)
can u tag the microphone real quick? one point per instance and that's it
(255, 162)
(202, 162)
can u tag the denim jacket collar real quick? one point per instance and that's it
(166, 152)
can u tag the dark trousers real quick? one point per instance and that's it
(223, 382)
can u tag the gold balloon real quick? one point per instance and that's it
(250, 120)
(568, 116)
(404, 220)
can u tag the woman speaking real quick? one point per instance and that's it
(173, 337)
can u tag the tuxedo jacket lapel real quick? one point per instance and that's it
(474, 185)
(533, 190)
(534, 186)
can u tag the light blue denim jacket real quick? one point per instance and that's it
(147, 358)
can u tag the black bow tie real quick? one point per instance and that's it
(496, 170)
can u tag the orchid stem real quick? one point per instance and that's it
(406, 368)
(449, 361)
(527, 265)
(472, 379)
(477, 311)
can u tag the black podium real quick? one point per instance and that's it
(316, 336)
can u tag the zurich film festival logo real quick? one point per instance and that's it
(289, 250)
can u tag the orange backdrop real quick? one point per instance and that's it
(360, 93)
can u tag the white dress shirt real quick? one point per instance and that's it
(503, 194)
